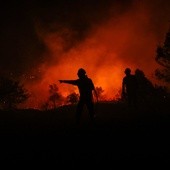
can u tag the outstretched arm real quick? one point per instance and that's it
(74, 82)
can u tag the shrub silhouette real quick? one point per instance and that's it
(12, 93)
(55, 97)
(72, 98)
(99, 92)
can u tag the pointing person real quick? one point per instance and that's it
(86, 89)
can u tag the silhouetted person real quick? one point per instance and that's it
(129, 87)
(86, 88)
(145, 87)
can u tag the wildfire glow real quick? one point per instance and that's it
(119, 42)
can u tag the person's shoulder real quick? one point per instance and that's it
(89, 79)
(133, 76)
(124, 78)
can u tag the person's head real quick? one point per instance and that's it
(139, 73)
(81, 73)
(127, 71)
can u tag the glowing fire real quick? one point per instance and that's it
(125, 41)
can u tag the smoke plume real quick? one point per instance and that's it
(103, 37)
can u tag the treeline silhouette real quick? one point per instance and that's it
(13, 93)
(121, 134)
(163, 59)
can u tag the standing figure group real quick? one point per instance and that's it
(86, 89)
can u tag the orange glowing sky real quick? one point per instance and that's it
(120, 40)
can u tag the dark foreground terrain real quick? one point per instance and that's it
(121, 135)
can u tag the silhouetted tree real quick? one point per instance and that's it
(12, 93)
(45, 106)
(55, 97)
(118, 96)
(161, 93)
(72, 98)
(99, 92)
(163, 58)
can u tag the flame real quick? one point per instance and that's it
(119, 42)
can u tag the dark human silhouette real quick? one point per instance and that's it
(129, 88)
(145, 89)
(86, 88)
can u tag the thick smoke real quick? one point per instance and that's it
(104, 37)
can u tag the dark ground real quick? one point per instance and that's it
(121, 136)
